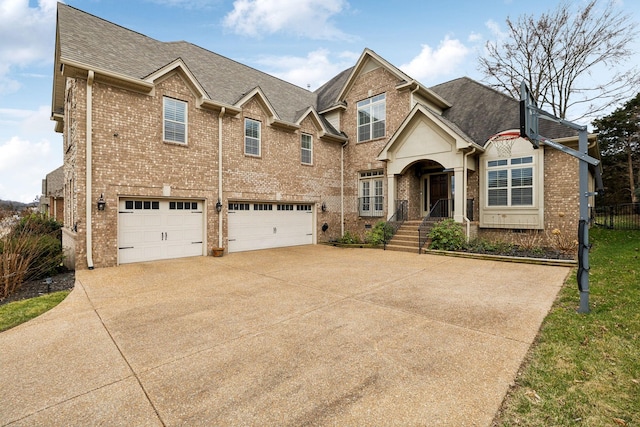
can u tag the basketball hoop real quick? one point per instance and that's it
(503, 142)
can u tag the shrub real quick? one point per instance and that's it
(447, 235)
(31, 250)
(349, 238)
(378, 233)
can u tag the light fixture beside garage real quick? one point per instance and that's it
(324, 207)
(218, 206)
(101, 202)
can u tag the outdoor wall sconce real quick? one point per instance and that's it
(323, 207)
(219, 206)
(101, 202)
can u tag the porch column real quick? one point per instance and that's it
(459, 202)
(391, 195)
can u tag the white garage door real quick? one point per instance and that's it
(269, 225)
(159, 229)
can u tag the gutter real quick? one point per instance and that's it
(220, 116)
(464, 190)
(342, 187)
(88, 203)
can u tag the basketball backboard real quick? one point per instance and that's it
(528, 116)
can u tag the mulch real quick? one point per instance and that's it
(36, 288)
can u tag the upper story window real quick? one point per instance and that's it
(251, 137)
(372, 118)
(510, 182)
(306, 149)
(175, 121)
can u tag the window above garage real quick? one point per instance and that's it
(174, 121)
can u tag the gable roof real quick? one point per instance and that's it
(87, 42)
(481, 111)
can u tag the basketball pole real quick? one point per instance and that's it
(582, 154)
(529, 115)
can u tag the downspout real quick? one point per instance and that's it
(88, 199)
(342, 188)
(464, 191)
(222, 111)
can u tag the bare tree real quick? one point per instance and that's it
(559, 55)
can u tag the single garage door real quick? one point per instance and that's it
(269, 225)
(159, 229)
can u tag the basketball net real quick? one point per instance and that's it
(503, 142)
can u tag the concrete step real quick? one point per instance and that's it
(398, 248)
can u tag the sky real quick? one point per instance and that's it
(305, 42)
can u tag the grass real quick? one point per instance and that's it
(584, 370)
(15, 313)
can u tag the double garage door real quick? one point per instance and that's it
(159, 229)
(269, 225)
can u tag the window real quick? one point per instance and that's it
(251, 137)
(306, 149)
(175, 121)
(371, 198)
(372, 118)
(510, 182)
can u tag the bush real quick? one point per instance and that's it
(349, 238)
(378, 233)
(31, 250)
(447, 235)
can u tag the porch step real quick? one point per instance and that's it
(406, 238)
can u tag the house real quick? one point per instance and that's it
(171, 150)
(52, 200)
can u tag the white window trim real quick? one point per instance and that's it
(369, 103)
(165, 120)
(375, 203)
(259, 138)
(509, 167)
(514, 217)
(303, 149)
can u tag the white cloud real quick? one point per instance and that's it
(495, 29)
(26, 34)
(23, 165)
(26, 159)
(432, 64)
(314, 70)
(308, 18)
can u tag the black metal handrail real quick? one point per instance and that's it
(396, 221)
(441, 209)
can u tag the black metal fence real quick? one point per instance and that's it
(617, 217)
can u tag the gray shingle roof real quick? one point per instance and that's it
(481, 111)
(93, 41)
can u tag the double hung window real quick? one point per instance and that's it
(251, 137)
(175, 121)
(372, 118)
(510, 182)
(306, 149)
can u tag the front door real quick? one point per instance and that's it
(438, 189)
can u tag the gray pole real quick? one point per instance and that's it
(583, 272)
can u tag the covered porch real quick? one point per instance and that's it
(431, 169)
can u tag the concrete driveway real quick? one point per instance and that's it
(311, 335)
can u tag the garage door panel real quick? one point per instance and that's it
(271, 226)
(152, 230)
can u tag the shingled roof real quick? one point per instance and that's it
(101, 45)
(481, 111)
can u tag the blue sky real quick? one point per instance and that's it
(303, 41)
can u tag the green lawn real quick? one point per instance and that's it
(584, 370)
(18, 312)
